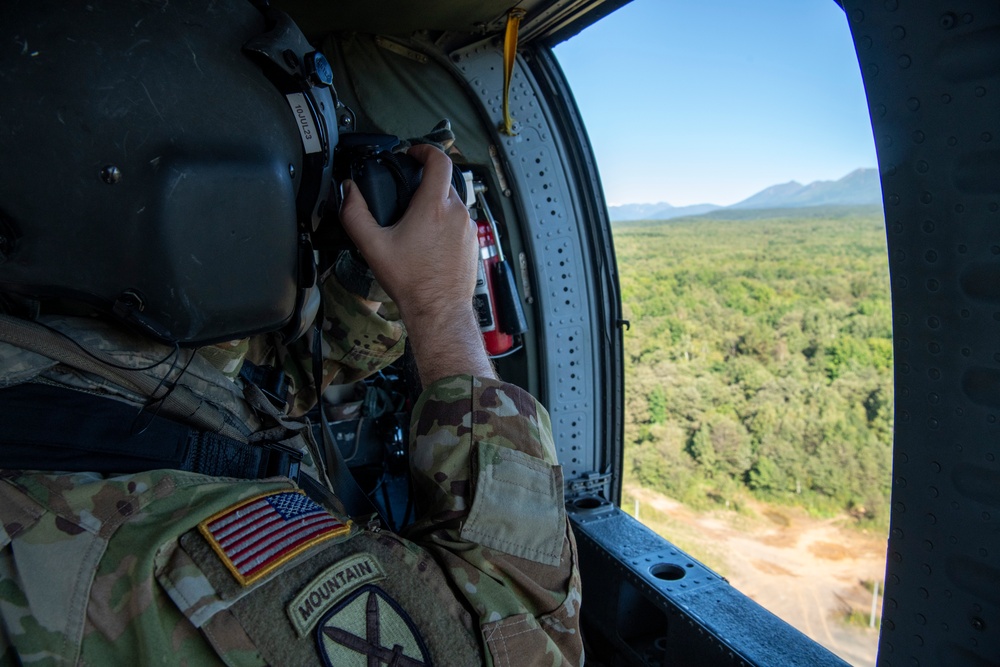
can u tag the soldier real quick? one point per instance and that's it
(160, 183)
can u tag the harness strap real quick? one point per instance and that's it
(180, 403)
(357, 504)
(43, 427)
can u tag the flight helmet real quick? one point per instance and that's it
(164, 163)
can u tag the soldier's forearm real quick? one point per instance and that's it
(448, 343)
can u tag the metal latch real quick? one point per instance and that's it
(588, 484)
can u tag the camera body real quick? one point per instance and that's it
(386, 179)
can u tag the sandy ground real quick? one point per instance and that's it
(808, 571)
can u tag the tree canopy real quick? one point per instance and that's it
(759, 358)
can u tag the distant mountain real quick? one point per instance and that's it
(776, 196)
(661, 211)
(859, 187)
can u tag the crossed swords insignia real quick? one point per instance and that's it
(371, 645)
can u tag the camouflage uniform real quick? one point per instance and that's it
(175, 567)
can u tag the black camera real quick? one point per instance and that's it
(387, 180)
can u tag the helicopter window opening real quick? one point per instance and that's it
(758, 365)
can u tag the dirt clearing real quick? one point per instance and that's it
(814, 573)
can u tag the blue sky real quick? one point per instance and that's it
(690, 102)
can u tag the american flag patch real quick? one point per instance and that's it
(258, 535)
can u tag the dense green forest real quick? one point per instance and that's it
(759, 358)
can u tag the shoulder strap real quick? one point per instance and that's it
(180, 403)
(358, 505)
(52, 428)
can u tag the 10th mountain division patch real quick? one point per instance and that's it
(370, 628)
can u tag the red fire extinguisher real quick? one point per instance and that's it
(498, 306)
(485, 300)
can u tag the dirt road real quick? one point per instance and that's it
(808, 571)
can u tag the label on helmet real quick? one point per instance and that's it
(305, 122)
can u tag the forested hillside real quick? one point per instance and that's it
(759, 358)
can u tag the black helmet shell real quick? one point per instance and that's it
(148, 166)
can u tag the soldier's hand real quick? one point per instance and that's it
(427, 262)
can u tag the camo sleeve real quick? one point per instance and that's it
(485, 470)
(357, 342)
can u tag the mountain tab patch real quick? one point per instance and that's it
(329, 587)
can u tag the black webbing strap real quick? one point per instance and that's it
(51, 428)
(354, 499)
